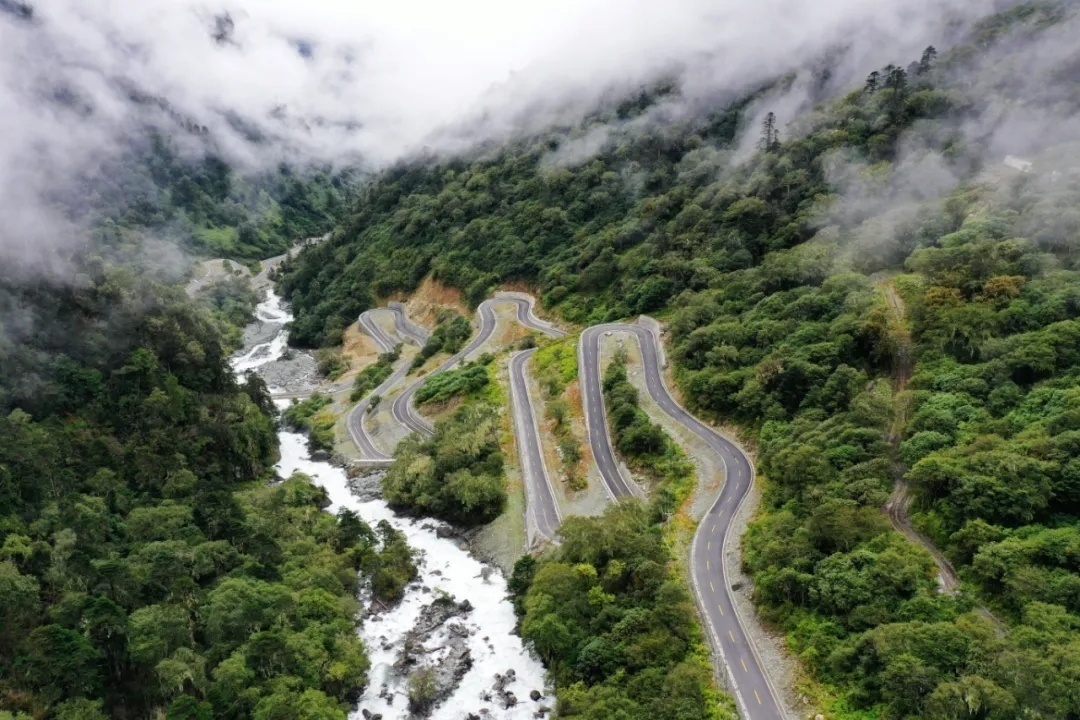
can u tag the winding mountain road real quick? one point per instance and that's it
(526, 315)
(405, 410)
(382, 339)
(354, 421)
(592, 400)
(540, 496)
(750, 685)
(406, 328)
(748, 682)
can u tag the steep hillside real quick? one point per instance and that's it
(147, 567)
(768, 264)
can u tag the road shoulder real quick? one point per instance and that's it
(782, 668)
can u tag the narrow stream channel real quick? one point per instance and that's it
(443, 568)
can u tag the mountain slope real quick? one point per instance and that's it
(767, 265)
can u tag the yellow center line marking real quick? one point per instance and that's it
(758, 697)
(711, 586)
(721, 609)
(713, 528)
(708, 565)
(743, 665)
(727, 501)
(709, 546)
(731, 635)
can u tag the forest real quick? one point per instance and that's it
(151, 563)
(615, 625)
(862, 327)
(209, 209)
(456, 475)
(145, 564)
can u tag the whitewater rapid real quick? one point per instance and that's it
(271, 311)
(443, 568)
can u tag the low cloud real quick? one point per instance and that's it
(342, 82)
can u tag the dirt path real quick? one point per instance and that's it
(899, 504)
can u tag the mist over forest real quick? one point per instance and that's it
(857, 224)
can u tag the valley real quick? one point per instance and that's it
(391, 361)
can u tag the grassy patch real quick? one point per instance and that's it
(471, 380)
(644, 444)
(374, 375)
(451, 334)
(555, 366)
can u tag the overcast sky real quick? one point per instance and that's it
(405, 68)
(356, 80)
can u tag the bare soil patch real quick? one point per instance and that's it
(423, 306)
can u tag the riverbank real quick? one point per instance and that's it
(448, 650)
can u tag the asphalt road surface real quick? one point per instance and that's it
(525, 315)
(751, 688)
(405, 411)
(592, 399)
(406, 328)
(540, 496)
(371, 328)
(354, 421)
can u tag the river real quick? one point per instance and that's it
(444, 567)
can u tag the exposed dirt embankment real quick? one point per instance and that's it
(423, 306)
(359, 350)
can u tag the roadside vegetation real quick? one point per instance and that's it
(470, 379)
(457, 475)
(315, 417)
(331, 363)
(555, 366)
(449, 336)
(768, 273)
(614, 624)
(644, 444)
(375, 375)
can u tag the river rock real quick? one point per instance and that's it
(434, 615)
(535, 695)
(438, 645)
(506, 698)
(295, 373)
(366, 484)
